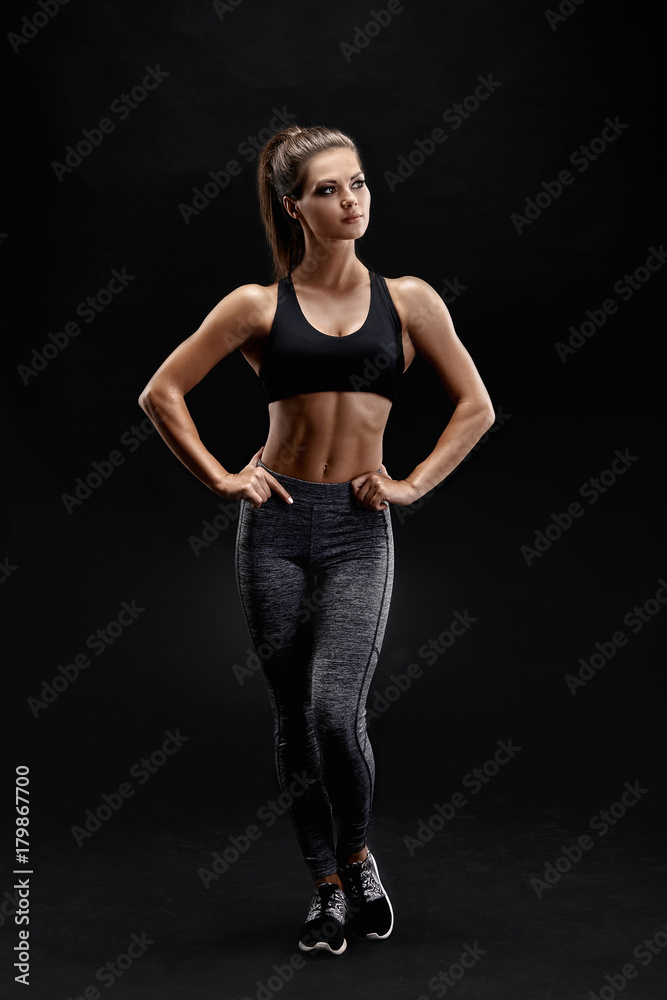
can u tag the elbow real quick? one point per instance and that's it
(158, 401)
(480, 412)
(143, 399)
(487, 417)
(149, 400)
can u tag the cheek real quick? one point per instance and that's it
(327, 211)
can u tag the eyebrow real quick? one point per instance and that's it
(330, 181)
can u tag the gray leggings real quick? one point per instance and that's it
(315, 579)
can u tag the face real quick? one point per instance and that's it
(334, 189)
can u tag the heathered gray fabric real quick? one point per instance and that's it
(318, 648)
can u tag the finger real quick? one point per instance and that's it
(380, 500)
(359, 482)
(360, 491)
(255, 503)
(278, 488)
(256, 456)
(372, 499)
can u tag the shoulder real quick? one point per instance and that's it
(253, 303)
(253, 295)
(415, 298)
(410, 287)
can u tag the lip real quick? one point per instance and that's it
(352, 218)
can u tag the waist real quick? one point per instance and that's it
(326, 437)
(307, 489)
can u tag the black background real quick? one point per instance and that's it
(461, 550)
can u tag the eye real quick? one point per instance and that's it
(330, 187)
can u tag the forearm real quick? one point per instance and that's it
(468, 423)
(170, 414)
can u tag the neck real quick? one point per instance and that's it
(330, 264)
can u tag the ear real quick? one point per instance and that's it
(290, 206)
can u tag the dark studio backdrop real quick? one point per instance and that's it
(511, 157)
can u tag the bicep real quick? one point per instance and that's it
(233, 322)
(432, 332)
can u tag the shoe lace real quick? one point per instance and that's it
(327, 901)
(366, 887)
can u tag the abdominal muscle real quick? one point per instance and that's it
(326, 437)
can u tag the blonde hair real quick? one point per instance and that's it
(281, 170)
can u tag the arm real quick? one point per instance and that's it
(232, 323)
(432, 332)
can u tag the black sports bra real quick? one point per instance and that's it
(298, 358)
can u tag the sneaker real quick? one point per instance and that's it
(324, 926)
(371, 915)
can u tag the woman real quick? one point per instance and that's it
(330, 340)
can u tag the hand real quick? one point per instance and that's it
(373, 489)
(253, 484)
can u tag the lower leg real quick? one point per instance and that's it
(335, 878)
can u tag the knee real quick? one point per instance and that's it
(333, 723)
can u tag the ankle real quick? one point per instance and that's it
(335, 879)
(358, 856)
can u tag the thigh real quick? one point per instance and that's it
(356, 571)
(271, 573)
